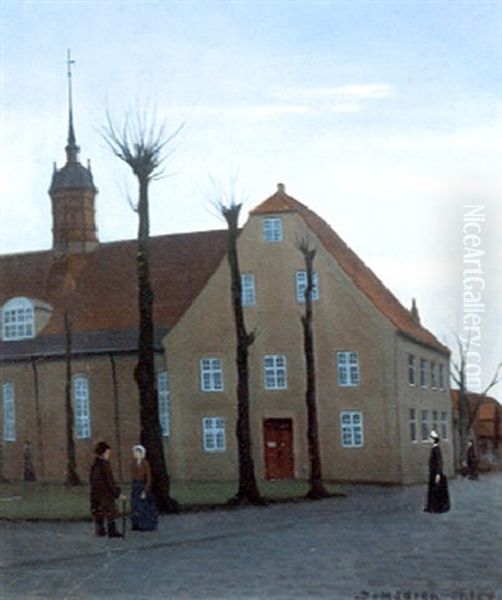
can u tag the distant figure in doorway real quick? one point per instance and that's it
(472, 461)
(103, 493)
(143, 508)
(28, 468)
(438, 499)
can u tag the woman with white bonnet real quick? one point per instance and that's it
(438, 499)
(143, 509)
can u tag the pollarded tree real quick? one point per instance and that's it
(248, 492)
(72, 478)
(142, 145)
(317, 489)
(467, 411)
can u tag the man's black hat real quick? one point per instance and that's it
(101, 448)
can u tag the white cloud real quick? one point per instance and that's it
(356, 91)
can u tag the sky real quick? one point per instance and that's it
(383, 117)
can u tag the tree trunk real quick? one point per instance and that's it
(151, 434)
(248, 489)
(317, 489)
(116, 415)
(72, 478)
(38, 413)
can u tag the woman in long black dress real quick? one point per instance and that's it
(438, 499)
(144, 510)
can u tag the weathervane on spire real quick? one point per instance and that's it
(71, 149)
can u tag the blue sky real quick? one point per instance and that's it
(384, 117)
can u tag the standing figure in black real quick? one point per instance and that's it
(103, 492)
(472, 461)
(438, 499)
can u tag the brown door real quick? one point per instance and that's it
(279, 458)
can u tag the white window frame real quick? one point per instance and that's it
(412, 370)
(211, 374)
(248, 290)
(82, 407)
(272, 230)
(423, 373)
(441, 378)
(213, 435)
(413, 425)
(9, 412)
(163, 397)
(301, 286)
(348, 368)
(351, 429)
(434, 420)
(444, 425)
(425, 427)
(275, 372)
(433, 375)
(18, 320)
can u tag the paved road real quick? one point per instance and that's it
(376, 544)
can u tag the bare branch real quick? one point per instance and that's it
(140, 142)
(495, 379)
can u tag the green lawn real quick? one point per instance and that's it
(22, 500)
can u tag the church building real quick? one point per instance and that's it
(382, 378)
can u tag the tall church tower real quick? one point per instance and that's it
(73, 195)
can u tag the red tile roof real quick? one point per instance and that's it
(100, 287)
(488, 419)
(381, 297)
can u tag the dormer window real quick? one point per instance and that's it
(272, 230)
(18, 320)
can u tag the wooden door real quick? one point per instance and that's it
(279, 457)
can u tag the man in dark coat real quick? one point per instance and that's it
(438, 498)
(103, 492)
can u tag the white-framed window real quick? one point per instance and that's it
(272, 230)
(211, 375)
(301, 286)
(413, 425)
(412, 368)
(18, 320)
(275, 373)
(163, 394)
(433, 375)
(348, 368)
(425, 425)
(248, 290)
(423, 373)
(9, 412)
(435, 421)
(444, 425)
(81, 407)
(351, 424)
(213, 434)
(441, 376)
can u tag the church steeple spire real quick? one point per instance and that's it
(72, 149)
(73, 193)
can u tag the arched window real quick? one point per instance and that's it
(81, 407)
(9, 412)
(18, 320)
(163, 391)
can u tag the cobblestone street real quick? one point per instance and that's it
(375, 543)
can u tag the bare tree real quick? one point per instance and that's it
(467, 411)
(248, 492)
(317, 489)
(72, 478)
(142, 145)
